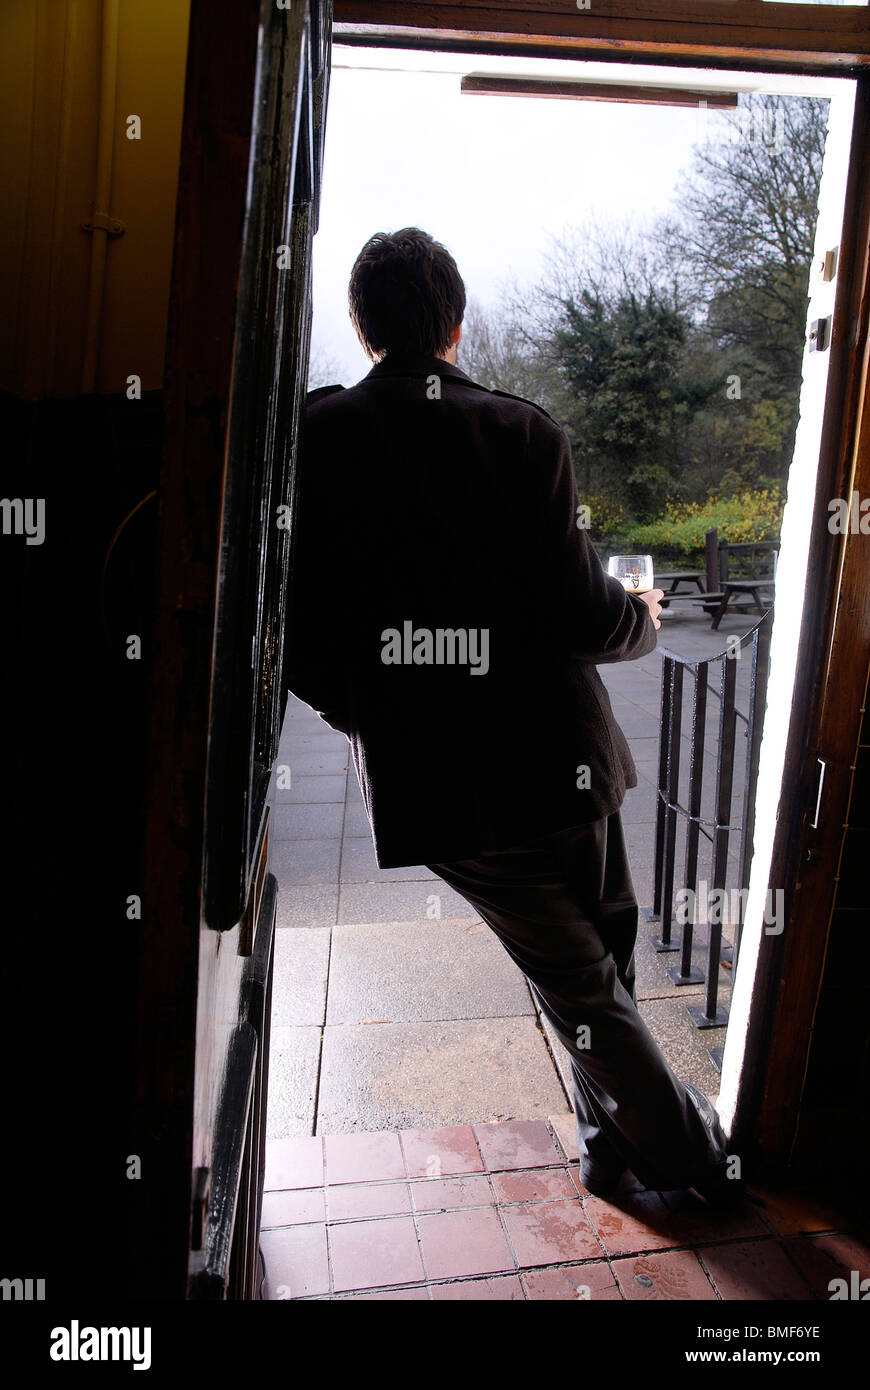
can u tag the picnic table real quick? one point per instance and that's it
(671, 581)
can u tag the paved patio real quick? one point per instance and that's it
(387, 1018)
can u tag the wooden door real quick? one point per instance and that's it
(252, 148)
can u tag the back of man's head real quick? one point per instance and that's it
(406, 295)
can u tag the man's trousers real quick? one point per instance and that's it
(564, 909)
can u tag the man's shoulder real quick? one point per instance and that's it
(524, 400)
(535, 405)
(319, 394)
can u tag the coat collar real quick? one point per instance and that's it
(407, 364)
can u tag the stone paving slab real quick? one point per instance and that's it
(294, 1063)
(415, 971)
(359, 865)
(400, 902)
(304, 862)
(307, 907)
(309, 789)
(300, 976)
(317, 820)
(406, 1075)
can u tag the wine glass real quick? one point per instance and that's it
(634, 572)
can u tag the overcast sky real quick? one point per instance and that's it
(493, 178)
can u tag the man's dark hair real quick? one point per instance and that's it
(406, 294)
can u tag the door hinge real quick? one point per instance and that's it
(102, 222)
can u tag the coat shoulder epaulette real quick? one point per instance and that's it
(511, 397)
(319, 392)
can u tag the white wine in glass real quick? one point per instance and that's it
(634, 572)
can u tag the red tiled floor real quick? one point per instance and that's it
(592, 1283)
(435, 1153)
(351, 1201)
(416, 1295)
(672, 1274)
(516, 1144)
(531, 1186)
(368, 1253)
(639, 1222)
(795, 1212)
(457, 1243)
(293, 1208)
(699, 1223)
(294, 1162)
(758, 1269)
(822, 1259)
(550, 1232)
(449, 1194)
(296, 1262)
(507, 1288)
(464, 1202)
(363, 1157)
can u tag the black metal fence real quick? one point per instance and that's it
(719, 828)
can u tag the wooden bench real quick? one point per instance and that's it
(748, 568)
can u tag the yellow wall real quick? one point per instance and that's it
(50, 83)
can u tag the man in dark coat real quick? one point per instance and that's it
(447, 613)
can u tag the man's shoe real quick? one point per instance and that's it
(721, 1191)
(711, 1120)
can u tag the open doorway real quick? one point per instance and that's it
(380, 1023)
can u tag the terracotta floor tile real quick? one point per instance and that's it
(435, 1153)
(848, 1250)
(822, 1259)
(550, 1232)
(591, 1282)
(366, 1157)
(533, 1186)
(457, 1243)
(639, 1222)
(368, 1253)
(699, 1223)
(793, 1213)
(758, 1269)
(294, 1162)
(296, 1261)
(293, 1208)
(516, 1144)
(450, 1194)
(507, 1289)
(352, 1201)
(418, 1295)
(565, 1130)
(671, 1274)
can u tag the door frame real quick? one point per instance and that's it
(825, 40)
(218, 122)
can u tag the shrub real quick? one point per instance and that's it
(752, 515)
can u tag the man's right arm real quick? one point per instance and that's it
(599, 621)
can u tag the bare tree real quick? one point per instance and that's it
(324, 369)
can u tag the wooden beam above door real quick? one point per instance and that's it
(747, 34)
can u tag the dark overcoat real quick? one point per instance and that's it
(447, 613)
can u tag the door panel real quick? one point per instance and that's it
(252, 148)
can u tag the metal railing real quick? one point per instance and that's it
(721, 827)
